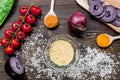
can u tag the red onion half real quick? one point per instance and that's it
(77, 22)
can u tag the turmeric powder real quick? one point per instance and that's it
(51, 21)
(103, 40)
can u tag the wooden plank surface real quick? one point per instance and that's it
(84, 4)
(63, 9)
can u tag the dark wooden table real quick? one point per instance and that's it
(63, 9)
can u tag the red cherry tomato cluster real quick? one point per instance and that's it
(19, 29)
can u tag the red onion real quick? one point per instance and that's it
(77, 22)
(14, 68)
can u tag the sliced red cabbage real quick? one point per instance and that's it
(117, 20)
(91, 2)
(96, 8)
(109, 13)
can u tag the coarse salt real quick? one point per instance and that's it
(92, 63)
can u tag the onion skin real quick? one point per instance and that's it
(77, 22)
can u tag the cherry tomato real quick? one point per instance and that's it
(23, 10)
(35, 10)
(20, 18)
(4, 41)
(20, 35)
(0, 41)
(15, 26)
(30, 19)
(26, 27)
(15, 43)
(8, 33)
(9, 50)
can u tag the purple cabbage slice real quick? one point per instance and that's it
(96, 8)
(91, 2)
(117, 20)
(109, 14)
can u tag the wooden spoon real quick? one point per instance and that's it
(51, 12)
(105, 40)
(112, 38)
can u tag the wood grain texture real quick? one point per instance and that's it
(63, 9)
(115, 3)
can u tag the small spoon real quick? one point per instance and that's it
(102, 40)
(112, 38)
(51, 12)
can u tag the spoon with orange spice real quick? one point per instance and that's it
(104, 40)
(51, 20)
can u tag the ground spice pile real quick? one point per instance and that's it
(92, 64)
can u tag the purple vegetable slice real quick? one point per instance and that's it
(109, 13)
(14, 67)
(91, 2)
(96, 9)
(117, 20)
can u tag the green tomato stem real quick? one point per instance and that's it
(14, 35)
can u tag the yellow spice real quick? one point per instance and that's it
(61, 52)
(103, 40)
(51, 21)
